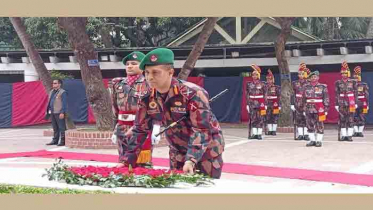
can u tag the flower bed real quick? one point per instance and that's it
(110, 177)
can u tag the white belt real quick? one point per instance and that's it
(314, 100)
(361, 97)
(343, 95)
(261, 96)
(271, 97)
(298, 95)
(126, 117)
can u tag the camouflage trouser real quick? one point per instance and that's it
(300, 119)
(270, 117)
(359, 117)
(257, 120)
(122, 141)
(210, 167)
(346, 118)
(313, 123)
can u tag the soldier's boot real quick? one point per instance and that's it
(343, 134)
(270, 129)
(306, 137)
(319, 140)
(254, 133)
(300, 133)
(356, 131)
(361, 129)
(274, 129)
(350, 131)
(312, 141)
(259, 136)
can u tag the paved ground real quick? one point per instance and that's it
(280, 151)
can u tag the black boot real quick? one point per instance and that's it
(300, 138)
(306, 137)
(349, 138)
(361, 134)
(259, 137)
(274, 133)
(318, 144)
(53, 142)
(311, 143)
(355, 134)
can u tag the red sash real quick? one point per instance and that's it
(260, 99)
(274, 100)
(363, 99)
(318, 102)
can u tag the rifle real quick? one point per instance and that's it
(295, 126)
(185, 116)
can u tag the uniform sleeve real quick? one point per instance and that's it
(326, 99)
(336, 93)
(292, 96)
(140, 132)
(367, 94)
(199, 115)
(279, 95)
(356, 93)
(113, 97)
(247, 94)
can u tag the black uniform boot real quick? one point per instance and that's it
(311, 143)
(259, 137)
(306, 137)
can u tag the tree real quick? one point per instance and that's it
(197, 48)
(369, 33)
(286, 90)
(31, 51)
(83, 48)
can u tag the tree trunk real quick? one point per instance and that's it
(106, 37)
(331, 27)
(197, 48)
(286, 90)
(32, 52)
(98, 97)
(369, 33)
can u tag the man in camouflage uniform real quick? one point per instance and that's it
(196, 143)
(256, 103)
(315, 106)
(273, 103)
(125, 94)
(362, 103)
(296, 102)
(346, 102)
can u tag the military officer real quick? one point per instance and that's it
(273, 103)
(362, 103)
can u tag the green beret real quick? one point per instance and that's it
(314, 73)
(158, 56)
(134, 56)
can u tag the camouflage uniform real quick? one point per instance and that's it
(296, 101)
(362, 103)
(125, 99)
(273, 107)
(256, 100)
(198, 138)
(363, 93)
(346, 93)
(315, 105)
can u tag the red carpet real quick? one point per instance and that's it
(254, 170)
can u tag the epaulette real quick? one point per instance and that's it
(188, 89)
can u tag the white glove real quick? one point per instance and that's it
(326, 113)
(279, 108)
(337, 108)
(304, 113)
(156, 130)
(292, 107)
(248, 108)
(356, 106)
(114, 139)
(265, 107)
